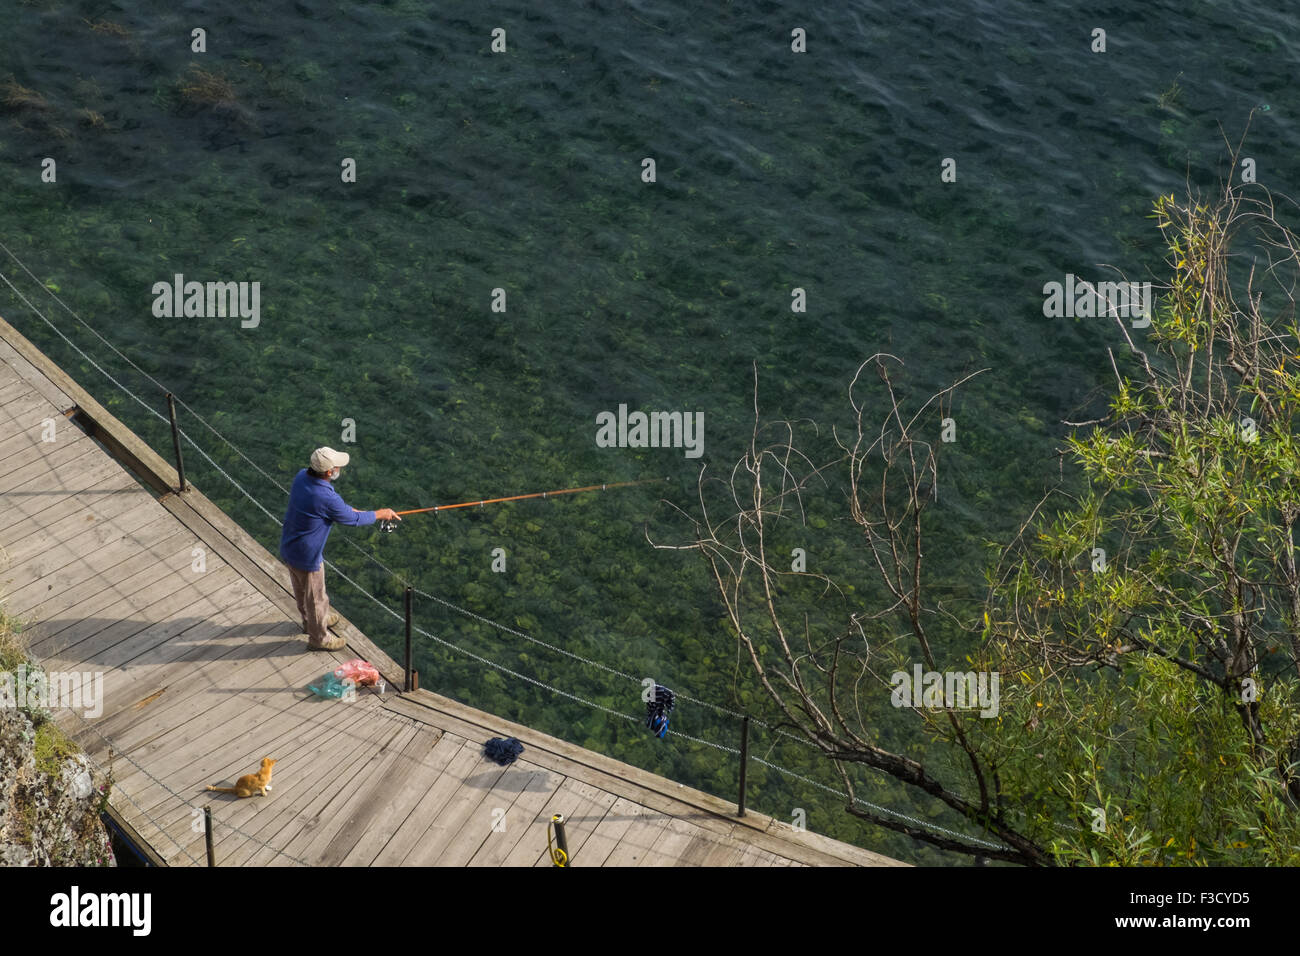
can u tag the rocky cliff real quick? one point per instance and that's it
(50, 795)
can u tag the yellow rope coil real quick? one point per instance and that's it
(558, 856)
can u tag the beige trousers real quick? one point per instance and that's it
(313, 602)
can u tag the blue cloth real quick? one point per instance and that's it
(314, 507)
(502, 751)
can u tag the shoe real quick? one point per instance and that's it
(331, 622)
(329, 644)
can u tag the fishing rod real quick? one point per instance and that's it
(391, 526)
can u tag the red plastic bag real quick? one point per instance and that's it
(358, 671)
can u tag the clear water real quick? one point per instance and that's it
(521, 171)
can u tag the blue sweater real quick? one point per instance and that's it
(314, 506)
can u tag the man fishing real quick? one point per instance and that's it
(314, 508)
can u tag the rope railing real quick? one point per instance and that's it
(450, 605)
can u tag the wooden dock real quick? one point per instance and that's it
(204, 673)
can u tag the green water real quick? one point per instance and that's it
(522, 171)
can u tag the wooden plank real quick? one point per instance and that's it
(166, 555)
(323, 755)
(754, 856)
(727, 853)
(671, 846)
(29, 464)
(39, 491)
(531, 805)
(815, 849)
(64, 462)
(12, 383)
(122, 589)
(8, 376)
(697, 849)
(181, 600)
(21, 447)
(13, 388)
(229, 709)
(172, 628)
(303, 747)
(335, 828)
(424, 770)
(639, 837)
(383, 791)
(400, 844)
(467, 801)
(62, 559)
(23, 411)
(31, 500)
(523, 790)
(59, 517)
(230, 812)
(127, 692)
(129, 448)
(245, 665)
(29, 484)
(584, 808)
(830, 851)
(134, 709)
(196, 761)
(40, 556)
(18, 397)
(328, 796)
(44, 599)
(339, 760)
(28, 371)
(23, 415)
(596, 769)
(150, 672)
(152, 698)
(236, 710)
(190, 765)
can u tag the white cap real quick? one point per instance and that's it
(327, 459)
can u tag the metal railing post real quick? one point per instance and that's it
(561, 855)
(744, 762)
(207, 835)
(407, 685)
(176, 442)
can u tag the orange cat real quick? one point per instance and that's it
(251, 783)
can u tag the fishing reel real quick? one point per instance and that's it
(387, 525)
